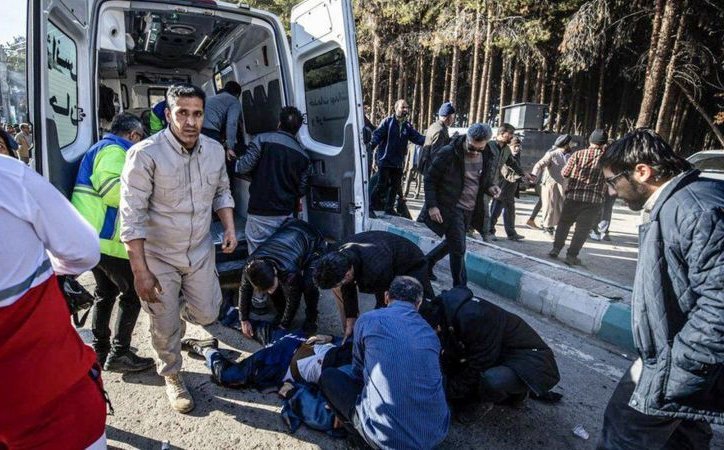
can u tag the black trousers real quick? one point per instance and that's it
(507, 208)
(584, 215)
(311, 299)
(114, 276)
(536, 209)
(626, 428)
(389, 185)
(604, 222)
(456, 222)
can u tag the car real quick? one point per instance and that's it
(710, 162)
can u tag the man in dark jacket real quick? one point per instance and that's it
(677, 385)
(279, 169)
(488, 353)
(454, 187)
(368, 262)
(282, 267)
(391, 139)
(510, 179)
(437, 136)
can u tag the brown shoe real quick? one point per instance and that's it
(531, 224)
(178, 395)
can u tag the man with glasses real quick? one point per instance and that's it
(454, 187)
(584, 197)
(670, 393)
(96, 196)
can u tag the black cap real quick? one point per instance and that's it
(598, 137)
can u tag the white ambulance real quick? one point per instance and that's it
(80, 51)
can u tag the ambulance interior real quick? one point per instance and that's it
(143, 51)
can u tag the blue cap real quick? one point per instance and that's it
(480, 131)
(446, 109)
(562, 140)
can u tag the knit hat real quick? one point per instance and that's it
(480, 131)
(598, 137)
(446, 109)
(562, 140)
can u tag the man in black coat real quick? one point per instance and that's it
(488, 353)
(676, 386)
(282, 267)
(455, 183)
(368, 262)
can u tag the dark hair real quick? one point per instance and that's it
(177, 91)
(506, 128)
(290, 119)
(644, 146)
(406, 289)
(261, 274)
(8, 143)
(233, 88)
(125, 123)
(331, 269)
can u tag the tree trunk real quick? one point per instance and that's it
(390, 85)
(446, 86)
(526, 83)
(400, 77)
(573, 106)
(375, 77)
(503, 88)
(488, 88)
(553, 105)
(540, 84)
(474, 75)
(599, 94)
(655, 75)
(676, 116)
(415, 94)
(454, 68)
(516, 83)
(561, 105)
(480, 114)
(423, 94)
(655, 27)
(431, 95)
(663, 122)
(704, 115)
(682, 123)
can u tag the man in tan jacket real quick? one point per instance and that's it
(169, 186)
(553, 184)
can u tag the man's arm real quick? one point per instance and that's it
(71, 242)
(106, 178)
(145, 282)
(358, 351)
(232, 122)
(434, 176)
(542, 163)
(570, 165)
(415, 135)
(292, 289)
(380, 134)
(248, 161)
(223, 205)
(698, 349)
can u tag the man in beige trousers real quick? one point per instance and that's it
(553, 185)
(169, 186)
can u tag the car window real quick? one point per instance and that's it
(326, 97)
(715, 164)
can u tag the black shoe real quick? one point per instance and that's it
(101, 358)
(309, 327)
(372, 214)
(606, 237)
(516, 401)
(553, 253)
(127, 362)
(516, 237)
(573, 260)
(198, 345)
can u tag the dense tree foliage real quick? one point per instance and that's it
(616, 64)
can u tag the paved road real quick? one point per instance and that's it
(615, 260)
(226, 418)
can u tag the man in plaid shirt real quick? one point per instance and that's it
(584, 197)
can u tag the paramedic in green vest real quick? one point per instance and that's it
(157, 118)
(96, 196)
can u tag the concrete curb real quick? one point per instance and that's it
(606, 319)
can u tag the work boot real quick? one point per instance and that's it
(127, 362)
(178, 395)
(531, 224)
(197, 346)
(573, 260)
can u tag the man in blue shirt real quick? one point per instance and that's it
(391, 139)
(221, 116)
(394, 398)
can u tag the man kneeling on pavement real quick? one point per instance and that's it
(488, 353)
(282, 267)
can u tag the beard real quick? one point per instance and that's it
(636, 197)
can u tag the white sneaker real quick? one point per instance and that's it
(178, 395)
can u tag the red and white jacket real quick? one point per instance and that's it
(41, 354)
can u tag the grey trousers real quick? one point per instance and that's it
(190, 294)
(259, 228)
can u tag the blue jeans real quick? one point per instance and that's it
(500, 382)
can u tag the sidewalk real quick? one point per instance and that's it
(594, 299)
